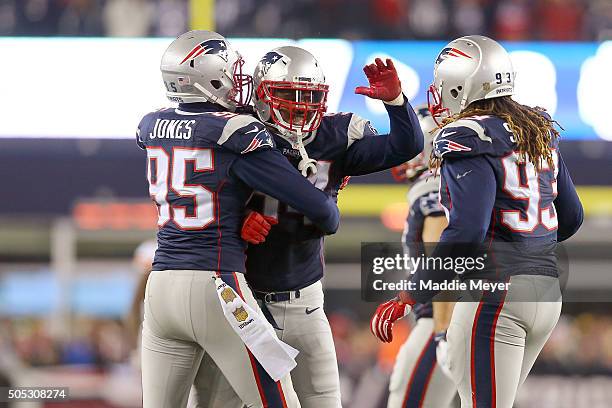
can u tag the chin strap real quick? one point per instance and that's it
(213, 98)
(306, 166)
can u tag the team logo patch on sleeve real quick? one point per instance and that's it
(262, 138)
(444, 146)
(371, 128)
(208, 47)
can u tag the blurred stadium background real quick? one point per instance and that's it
(78, 75)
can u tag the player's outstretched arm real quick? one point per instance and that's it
(269, 172)
(570, 213)
(371, 152)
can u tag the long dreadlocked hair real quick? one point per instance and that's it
(532, 130)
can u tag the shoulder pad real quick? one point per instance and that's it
(350, 124)
(244, 134)
(142, 129)
(462, 138)
(358, 128)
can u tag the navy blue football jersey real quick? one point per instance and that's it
(423, 202)
(202, 166)
(344, 145)
(491, 195)
(481, 153)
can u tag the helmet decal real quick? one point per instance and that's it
(211, 47)
(268, 60)
(450, 52)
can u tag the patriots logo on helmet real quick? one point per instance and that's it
(210, 47)
(262, 138)
(268, 60)
(450, 52)
(444, 146)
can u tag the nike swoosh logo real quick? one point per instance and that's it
(309, 311)
(255, 130)
(444, 134)
(464, 174)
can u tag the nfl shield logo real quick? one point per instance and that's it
(228, 295)
(240, 314)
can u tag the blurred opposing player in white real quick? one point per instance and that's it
(203, 162)
(418, 379)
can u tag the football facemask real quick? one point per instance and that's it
(295, 106)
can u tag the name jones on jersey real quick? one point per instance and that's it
(172, 129)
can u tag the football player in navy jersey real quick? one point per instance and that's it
(285, 266)
(203, 161)
(503, 185)
(420, 377)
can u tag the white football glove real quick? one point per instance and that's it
(442, 356)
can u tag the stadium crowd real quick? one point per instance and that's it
(548, 20)
(103, 342)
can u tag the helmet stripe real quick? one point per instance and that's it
(460, 53)
(193, 51)
(199, 53)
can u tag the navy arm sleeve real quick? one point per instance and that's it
(379, 152)
(269, 171)
(570, 213)
(472, 198)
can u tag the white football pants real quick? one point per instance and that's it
(417, 380)
(305, 327)
(494, 343)
(187, 340)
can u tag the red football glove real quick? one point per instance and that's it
(388, 313)
(399, 172)
(384, 82)
(255, 227)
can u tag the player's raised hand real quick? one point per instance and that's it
(388, 313)
(255, 227)
(384, 82)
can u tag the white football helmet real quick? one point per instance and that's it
(469, 69)
(200, 66)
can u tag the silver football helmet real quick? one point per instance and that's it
(290, 90)
(469, 69)
(200, 66)
(413, 168)
(291, 96)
